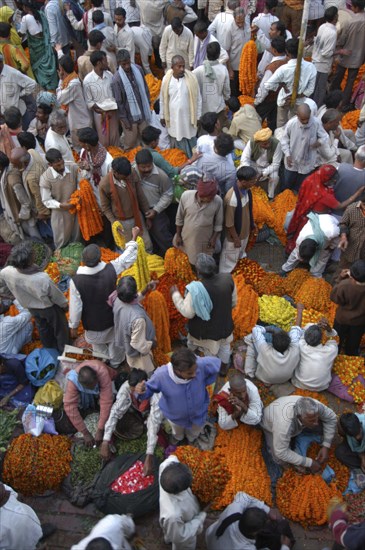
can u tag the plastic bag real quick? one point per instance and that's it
(41, 365)
(49, 394)
(33, 423)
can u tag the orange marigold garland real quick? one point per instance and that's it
(115, 152)
(348, 369)
(282, 204)
(154, 87)
(246, 100)
(87, 210)
(241, 448)
(246, 312)
(261, 209)
(53, 271)
(209, 469)
(315, 294)
(108, 255)
(248, 68)
(251, 271)
(177, 264)
(349, 120)
(34, 465)
(271, 283)
(177, 321)
(294, 281)
(176, 157)
(313, 394)
(157, 310)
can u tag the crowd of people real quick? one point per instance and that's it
(73, 88)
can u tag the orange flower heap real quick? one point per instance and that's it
(176, 157)
(246, 99)
(251, 271)
(313, 394)
(246, 312)
(177, 321)
(282, 204)
(348, 369)
(154, 86)
(271, 283)
(177, 264)
(315, 294)
(209, 469)
(34, 465)
(248, 68)
(349, 120)
(87, 210)
(294, 281)
(115, 152)
(262, 211)
(157, 310)
(241, 448)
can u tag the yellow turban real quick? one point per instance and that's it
(263, 135)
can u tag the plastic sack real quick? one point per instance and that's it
(49, 394)
(139, 503)
(32, 422)
(41, 365)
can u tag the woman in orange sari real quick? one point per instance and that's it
(316, 194)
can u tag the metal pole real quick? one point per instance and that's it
(303, 32)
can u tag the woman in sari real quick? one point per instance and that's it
(14, 41)
(42, 56)
(316, 194)
(6, 16)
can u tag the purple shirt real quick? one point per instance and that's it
(184, 404)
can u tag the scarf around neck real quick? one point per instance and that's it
(209, 72)
(238, 210)
(193, 89)
(134, 106)
(202, 303)
(96, 160)
(118, 203)
(201, 51)
(173, 376)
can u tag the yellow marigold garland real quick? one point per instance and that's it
(119, 239)
(246, 312)
(156, 308)
(87, 210)
(34, 465)
(277, 311)
(209, 469)
(241, 448)
(53, 271)
(248, 68)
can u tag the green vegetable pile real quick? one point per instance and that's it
(85, 465)
(135, 446)
(39, 253)
(8, 421)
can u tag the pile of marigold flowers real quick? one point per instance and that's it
(342, 472)
(271, 283)
(349, 120)
(251, 271)
(304, 498)
(108, 255)
(246, 312)
(277, 311)
(210, 472)
(154, 86)
(241, 448)
(282, 204)
(53, 271)
(261, 208)
(177, 264)
(176, 157)
(156, 307)
(315, 294)
(34, 465)
(177, 321)
(313, 394)
(349, 369)
(294, 281)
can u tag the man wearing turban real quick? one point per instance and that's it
(264, 153)
(199, 219)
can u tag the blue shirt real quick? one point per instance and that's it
(184, 404)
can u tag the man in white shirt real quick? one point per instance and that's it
(56, 135)
(277, 30)
(180, 105)
(284, 77)
(116, 531)
(302, 136)
(14, 331)
(86, 23)
(323, 51)
(265, 100)
(264, 19)
(213, 80)
(236, 37)
(272, 362)
(221, 23)
(99, 99)
(315, 244)
(123, 33)
(177, 40)
(330, 151)
(143, 44)
(58, 30)
(202, 38)
(13, 86)
(238, 401)
(314, 372)
(263, 153)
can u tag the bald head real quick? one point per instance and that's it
(304, 113)
(19, 158)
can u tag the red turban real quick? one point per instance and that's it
(207, 189)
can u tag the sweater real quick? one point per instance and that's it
(184, 404)
(350, 298)
(124, 317)
(71, 396)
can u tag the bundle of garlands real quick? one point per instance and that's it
(246, 312)
(154, 87)
(139, 269)
(314, 293)
(87, 210)
(241, 448)
(247, 70)
(294, 281)
(262, 211)
(349, 120)
(271, 283)
(282, 204)
(177, 264)
(350, 370)
(209, 469)
(34, 465)
(156, 307)
(177, 321)
(251, 271)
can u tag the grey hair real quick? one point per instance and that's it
(360, 154)
(233, 4)
(123, 55)
(205, 265)
(177, 59)
(305, 406)
(239, 11)
(56, 117)
(330, 116)
(313, 335)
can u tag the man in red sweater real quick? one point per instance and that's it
(85, 384)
